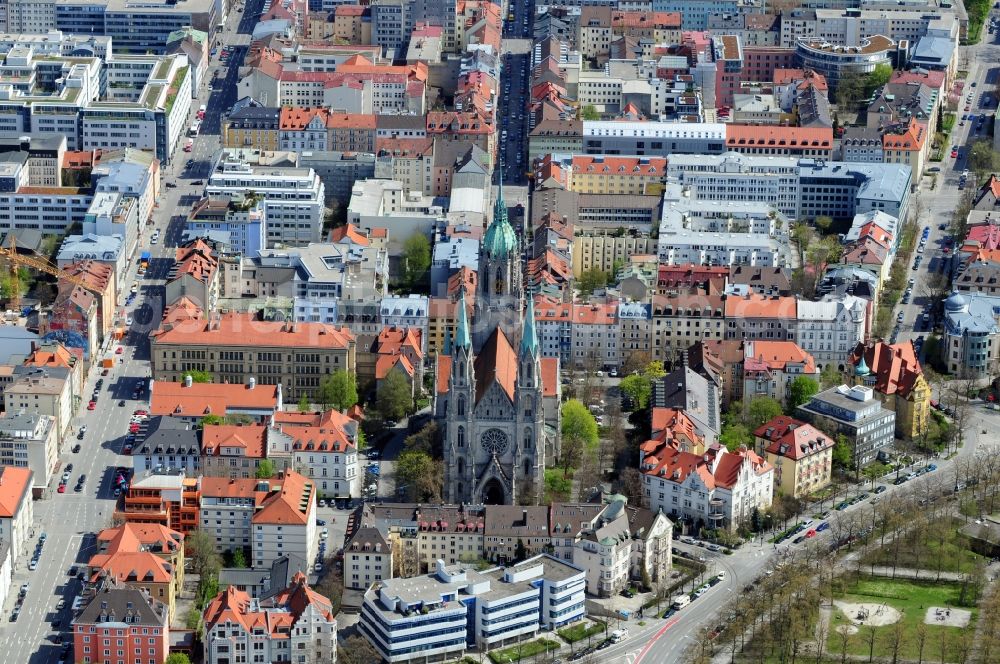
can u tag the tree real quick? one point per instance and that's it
(879, 77)
(801, 391)
(199, 548)
(357, 650)
(982, 158)
(210, 420)
(422, 476)
(339, 390)
(850, 91)
(199, 376)
(417, 261)
(843, 455)
(239, 558)
(823, 223)
(591, 280)
(265, 469)
(304, 403)
(830, 377)
(734, 435)
(638, 389)
(579, 434)
(424, 440)
(178, 658)
(588, 112)
(395, 397)
(760, 410)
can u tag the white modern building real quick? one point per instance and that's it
(294, 198)
(30, 440)
(286, 520)
(455, 608)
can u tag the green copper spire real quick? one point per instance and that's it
(862, 368)
(447, 343)
(529, 341)
(462, 338)
(500, 240)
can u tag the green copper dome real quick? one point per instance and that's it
(500, 240)
(861, 369)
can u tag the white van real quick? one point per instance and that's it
(681, 601)
(619, 635)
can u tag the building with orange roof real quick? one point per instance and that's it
(716, 489)
(233, 450)
(894, 372)
(351, 132)
(290, 621)
(394, 349)
(907, 143)
(352, 24)
(781, 140)
(285, 521)
(226, 506)
(801, 454)
(168, 500)
(302, 129)
(755, 317)
(51, 355)
(770, 368)
(326, 452)
(194, 274)
(147, 557)
(87, 311)
(239, 349)
(17, 512)
(580, 334)
(190, 401)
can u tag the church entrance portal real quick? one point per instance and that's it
(493, 493)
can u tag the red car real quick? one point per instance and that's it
(92, 405)
(954, 154)
(127, 449)
(119, 350)
(811, 533)
(61, 489)
(140, 412)
(134, 428)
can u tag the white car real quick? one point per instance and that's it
(128, 321)
(324, 533)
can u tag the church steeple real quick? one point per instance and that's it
(462, 337)
(529, 340)
(500, 240)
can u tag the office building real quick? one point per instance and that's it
(856, 413)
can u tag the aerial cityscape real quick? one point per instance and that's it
(603, 331)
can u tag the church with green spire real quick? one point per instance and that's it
(497, 399)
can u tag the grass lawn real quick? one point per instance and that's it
(948, 554)
(912, 599)
(524, 651)
(581, 631)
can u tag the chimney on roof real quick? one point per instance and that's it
(524, 517)
(188, 380)
(251, 383)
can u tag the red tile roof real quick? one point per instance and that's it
(895, 366)
(238, 329)
(15, 483)
(776, 355)
(792, 439)
(250, 439)
(202, 399)
(779, 137)
(290, 501)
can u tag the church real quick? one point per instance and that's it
(497, 399)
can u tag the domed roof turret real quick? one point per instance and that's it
(861, 369)
(956, 303)
(500, 240)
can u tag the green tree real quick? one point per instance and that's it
(760, 410)
(850, 91)
(843, 455)
(588, 112)
(424, 440)
(178, 658)
(339, 390)
(239, 558)
(357, 650)
(877, 78)
(395, 398)
(982, 158)
(579, 434)
(801, 391)
(823, 223)
(420, 474)
(199, 549)
(209, 420)
(638, 389)
(734, 435)
(830, 377)
(199, 376)
(304, 403)
(265, 469)
(417, 261)
(591, 280)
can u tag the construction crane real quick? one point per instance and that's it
(17, 260)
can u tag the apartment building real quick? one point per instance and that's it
(252, 127)
(719, 489)
(119, 621)
(833, 59)
(454, 608)
(278, 628)
(893, 371)
(47, 393)
(323, 447)
(226, 507)
(970, 344)
(170, 500)
(285, 521)
(770, 367)
(603, 250)
(369, 557)
(580, 334)
(829, 329)
(293, 197)
(801, 454)
(680, 320)
(237, 221)
(233, 450)
(30, 440)
(856, 413)
(133, 27)
(17, 512)
(147, 557)
(239, 349)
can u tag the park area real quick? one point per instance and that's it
(899, 619)
(939, 547)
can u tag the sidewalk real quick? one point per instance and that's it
(910, 573)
